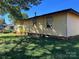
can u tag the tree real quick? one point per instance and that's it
(14, 7)
(24, 15)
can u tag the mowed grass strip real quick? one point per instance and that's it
(11, 35)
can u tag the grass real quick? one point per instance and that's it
(7, 34)
(25, 47)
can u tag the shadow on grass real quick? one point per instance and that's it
(40, 48)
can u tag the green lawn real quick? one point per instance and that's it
(8, 34)
(25, 47)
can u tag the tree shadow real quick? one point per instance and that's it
(41, 48)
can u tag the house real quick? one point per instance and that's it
(9, 28)
(2, 25)
(5, 28)
(60, 23)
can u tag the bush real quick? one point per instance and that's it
(8, 31)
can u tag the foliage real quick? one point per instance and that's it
(14, 7)
(25, 16)
(8, 31)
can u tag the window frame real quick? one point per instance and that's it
(49, 21)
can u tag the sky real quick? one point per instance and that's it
(48, 6)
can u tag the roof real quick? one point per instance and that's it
(65, 10)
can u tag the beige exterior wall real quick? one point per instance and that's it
(72, 24)
(59, 25)
(38, 26)
(26, 24)
(58, 28)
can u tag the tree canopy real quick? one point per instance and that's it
(14, 7)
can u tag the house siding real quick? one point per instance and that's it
(58, 28)
(27, 24)
(72, 24)
(59, 25)
(38, 27)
